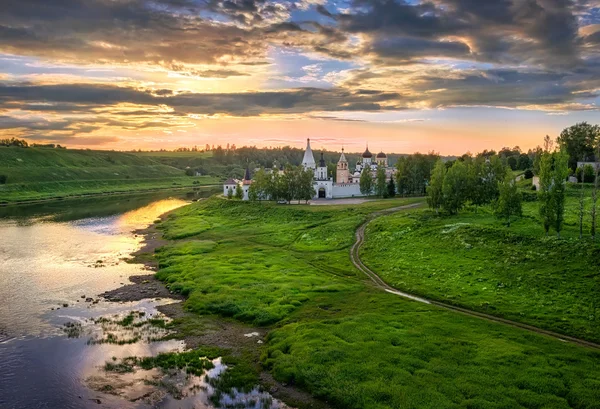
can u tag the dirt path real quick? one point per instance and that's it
(355, 257)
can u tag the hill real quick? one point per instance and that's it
(38, 173)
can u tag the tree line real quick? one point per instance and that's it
(378, 185)
(293, 183)
(486, 178)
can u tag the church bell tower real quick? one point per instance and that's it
(342, 172)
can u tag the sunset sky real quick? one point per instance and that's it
(402, 76)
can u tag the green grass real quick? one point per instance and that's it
(334, 335)
(474, 260)
(41, 173)
(258, 262)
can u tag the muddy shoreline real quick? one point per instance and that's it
(209, 331)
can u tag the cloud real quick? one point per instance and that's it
(417, 54)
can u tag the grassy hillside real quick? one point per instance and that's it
(334, 335)
(37, 173)
(474, 260)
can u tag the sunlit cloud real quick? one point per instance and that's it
(115, 73)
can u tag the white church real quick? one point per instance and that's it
(346, 182)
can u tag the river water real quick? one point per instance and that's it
(55, 259)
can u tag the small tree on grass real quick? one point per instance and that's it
(380, 185)
(260, 185)
(561, 171)
(509, 202)
(239, 192)
(581, 208)
(594, 200)
(391, 188)
(230, 193)
(366, 181)
(306, 190)
(253, 194)
(547, 212)
(454, 188)
(434, 190)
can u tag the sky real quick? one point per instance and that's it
(402, 76)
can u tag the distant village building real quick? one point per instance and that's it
(347, 183)
(233, 184)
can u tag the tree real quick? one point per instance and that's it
(21, 143)
(561, 171)
(391, 188)
(547, 212)
(239, 192)
(454, 188)
(253, 193)
(434, 190)
(260, 184)
(380, 183)
(581, 209)
(272, 190)
(524, 162)
(366, 181)
(306, 190)
(484, 177)
(588, 173)
(413, 172)
(509, 202)
(579, 142)
(595, 196)
(229, 193)
(288, 184)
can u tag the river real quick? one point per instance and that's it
(55, 258)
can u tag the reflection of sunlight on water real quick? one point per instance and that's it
(47, 264)
(146, 215)
(131, 220)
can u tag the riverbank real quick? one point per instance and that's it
(286, 272)
(244, 342)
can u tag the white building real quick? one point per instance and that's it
(234, 184)
(347, 183)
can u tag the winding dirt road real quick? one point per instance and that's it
(355, 257)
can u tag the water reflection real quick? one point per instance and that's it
(49, 264)
(54, 260)
(84, 208)
(47, 260)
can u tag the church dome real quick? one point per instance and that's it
(381, 155)
(367, 154)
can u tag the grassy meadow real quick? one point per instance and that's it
(41, 173)
(287, 268)
(474, 260)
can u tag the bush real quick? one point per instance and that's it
(529, 196)
(528, 174)
(3, 179)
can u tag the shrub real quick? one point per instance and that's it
(3, 179)
(529, 196)
(528, 174)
